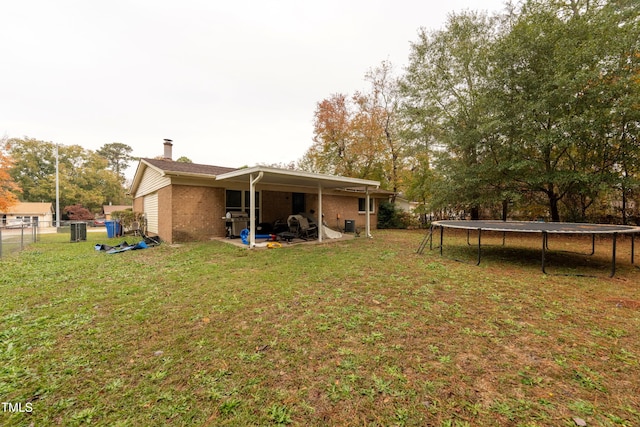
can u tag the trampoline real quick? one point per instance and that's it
(543, 228)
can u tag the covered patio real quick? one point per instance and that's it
(262, 177)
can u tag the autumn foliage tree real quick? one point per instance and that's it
(358, 135)
(331, 151)
(8, 187)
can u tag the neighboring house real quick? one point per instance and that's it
(188, 202)
(406, 205)
(107, 210)
(28, 212)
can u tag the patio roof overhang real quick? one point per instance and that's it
(274, 176)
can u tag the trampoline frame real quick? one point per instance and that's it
(544, 228)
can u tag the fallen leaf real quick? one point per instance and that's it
(579, 422)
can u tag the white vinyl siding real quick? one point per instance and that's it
(151, 181)
(151, 212)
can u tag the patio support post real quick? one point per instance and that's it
(367, 212)
(320, 225)
(252, 208)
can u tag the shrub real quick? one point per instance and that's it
(77, 213)
(389, 216)
(127, 217)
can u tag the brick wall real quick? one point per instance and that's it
(197, 213)
(165, 223)
(138, 204)
(275, 205)
(338, 208)
(191, 213)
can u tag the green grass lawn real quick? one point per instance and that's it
(356, 333)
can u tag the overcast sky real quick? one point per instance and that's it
(232, 83)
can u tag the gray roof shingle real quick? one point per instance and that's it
(190, 168)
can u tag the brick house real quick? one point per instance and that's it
(187, 201)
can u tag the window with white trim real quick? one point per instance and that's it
(239, 200)
(362, 203)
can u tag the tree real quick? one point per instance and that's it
(556, 101)
(622, 31)
(359, 135)
(422, 185)
(118, 155)
(383, 105)
(77, 213)
(184, 159)
(539, 106)
(8, 187)
(443, 103)
(331, 149)
(33, 168)
(83, 174)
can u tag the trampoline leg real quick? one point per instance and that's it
(441, 232)
(468, 242)
(431, 239)
(544, 247)
(613, 255)
(504, 237)
(593, 244)
(632, 248)
(479, 237)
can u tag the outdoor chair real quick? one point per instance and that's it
(300, 226)
(134, 229)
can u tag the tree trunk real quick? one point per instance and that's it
(505, 208)
(475, 213)
(553, 208)
(624, 205)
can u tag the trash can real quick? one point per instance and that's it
(113, 228)
(78, 231)
(349, 225)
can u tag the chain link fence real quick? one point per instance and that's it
(16, 238)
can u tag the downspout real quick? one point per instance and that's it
(252, 208)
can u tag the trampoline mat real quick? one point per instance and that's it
(538, 227)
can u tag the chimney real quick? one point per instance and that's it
(167, 149)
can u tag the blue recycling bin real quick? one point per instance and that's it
(113, 227)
